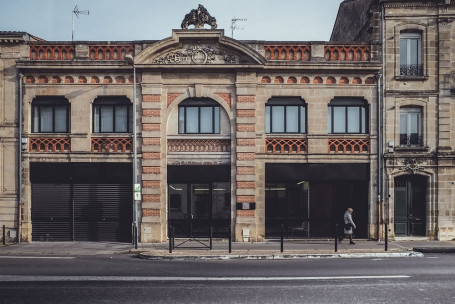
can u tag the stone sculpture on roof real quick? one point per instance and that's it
(198, 17)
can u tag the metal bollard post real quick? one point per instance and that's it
(282, 238)
(135, 237)
(386, 241)
(336, 237)
(211, 243)
(4, 235)
(173, 237)
(170, 238)
(230, 238)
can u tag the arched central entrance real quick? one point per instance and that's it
(410, 205)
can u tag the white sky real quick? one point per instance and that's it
(115, 20)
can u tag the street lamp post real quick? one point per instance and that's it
(130, 60)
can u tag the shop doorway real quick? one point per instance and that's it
(410, 205)
(199, 198)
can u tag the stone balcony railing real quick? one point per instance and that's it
(348, 146)
(49, 144)
(286, 145)
(199, 145)
(112, 144)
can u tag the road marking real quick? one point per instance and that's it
(35, 257)
(431, 257)
(32, 278)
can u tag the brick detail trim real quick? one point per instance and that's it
(246, 156)
(246, 128)
(151, 155)
(249, 213)
(151, 212)
(226, 97)
(246, 170)
(246, 113)
(286, 145)
(151, 127)
(171, 97)
(151, 184)
(246, 185)
(151, 113)
(151, 98)
(246, 98)
(349, 146)
(151, 170)
(246, 142)
(151, 141)
(151, 198)
(246, 199)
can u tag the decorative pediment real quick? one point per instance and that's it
(199, 47)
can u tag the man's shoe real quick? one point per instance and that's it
(352, 243)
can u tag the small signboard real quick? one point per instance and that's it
(137, 196)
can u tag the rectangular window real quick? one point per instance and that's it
(112, 117)
(285, 119)
(199, 120)
(410, 54)
(50, 115)
(347, 117)
(411, 127)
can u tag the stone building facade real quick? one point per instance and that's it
(417, 43)
(248, 134)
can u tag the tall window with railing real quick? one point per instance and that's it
(347, 116)
(285, 115)
(411, 127)
(411, 54)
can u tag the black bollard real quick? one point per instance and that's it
(4, 235)
(173, 237)
(386, 241)
(282, 238)
(336, 237)
(230, 238)
(135, 237)
(211, 238)
(170, 238)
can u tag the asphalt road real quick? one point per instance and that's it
(125, 279)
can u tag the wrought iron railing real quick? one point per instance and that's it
(411, 140)
(411, 70)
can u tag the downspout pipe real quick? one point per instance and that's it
(379, 180)
(19, 160)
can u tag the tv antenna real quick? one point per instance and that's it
(235, 26)
(77, 12)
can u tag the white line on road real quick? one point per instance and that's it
(31, 278)
(35, 257)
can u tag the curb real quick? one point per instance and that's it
(434, 249)
(147, 256)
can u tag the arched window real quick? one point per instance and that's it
(50, 114)
(347, 115)
(199, 116)
(285, 115)
(112, 114)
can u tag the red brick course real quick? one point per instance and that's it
(151, 127)
(246, 98)
(246, 185)
(151, 98)
(226, 97)
(151, 184)
(151, 170)
(151, 198)
(171, 97)
(246, 199)
(246, 113)
(151, 113)
(151, 141)
(151, 212)
(245, 170)
(151, 155)
(246, 156)
(245, 213)
(246, 127)
(246, 142)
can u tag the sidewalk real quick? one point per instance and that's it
(293, 249)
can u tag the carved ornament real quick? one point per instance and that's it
(411, 166)
(198, 54)
(198, 17)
